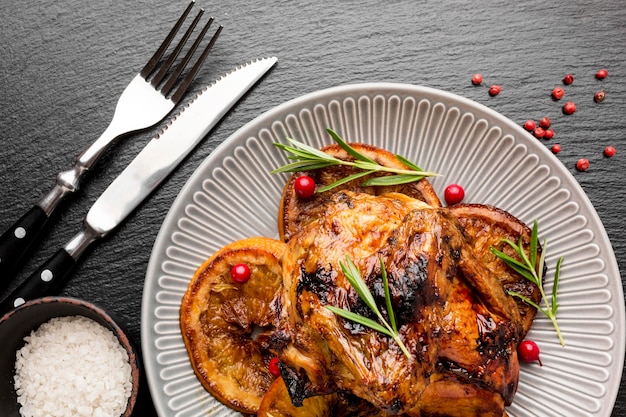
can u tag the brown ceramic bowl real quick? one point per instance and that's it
(17, 324)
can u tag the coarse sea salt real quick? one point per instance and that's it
(72, 367)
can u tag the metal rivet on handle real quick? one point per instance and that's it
(20, 233)
(46, 275)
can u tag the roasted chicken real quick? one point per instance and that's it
(460, 326)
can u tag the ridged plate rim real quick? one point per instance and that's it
(592, 310)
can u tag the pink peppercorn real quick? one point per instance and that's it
(494, 90)
(569, 108)
(582, 164)
(556, 148)
(609, 151)
(530, 125)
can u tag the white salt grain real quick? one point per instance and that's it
(72, 367)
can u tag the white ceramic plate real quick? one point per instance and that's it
(232, 195)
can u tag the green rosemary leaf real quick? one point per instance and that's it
(343, 181)
(534, 242)
(357, 318)
(516, 265)
(392, 180)
(312, 158)
(348, 148)
(532, 270)
(390, 313)
(525, 299)
(555, 285)
(310, 150)
(300, 166)
(408, 163)
(353, 275)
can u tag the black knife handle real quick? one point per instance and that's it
(17, 240)
(47, 280)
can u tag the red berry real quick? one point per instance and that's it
(539, 133)
(454, 194)
(477, 79)
(558, 93)
(494, 90)
(556, 148)
(609, 151)
(545, 123)
(530, 125)
(273, 367)
(549, 134)
(528, 351)
(569, 108)
(568, 79)
(602, 74)
(582, 164)
(240, 273)
(599, 96)
(304, 186)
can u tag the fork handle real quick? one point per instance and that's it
(17, 240)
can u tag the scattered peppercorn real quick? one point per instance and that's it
(477, 79)
(545, 123)
(569, 108)
(568, 79)
(539, 133)
(582, 164)
(494, 90)
(556, 148)
(549, 134)
(599, 96)
(602, 74)
(609, 151)
(530, 125)
(558, 93)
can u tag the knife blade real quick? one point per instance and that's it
(149, 168)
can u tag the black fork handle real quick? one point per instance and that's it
(17, 241)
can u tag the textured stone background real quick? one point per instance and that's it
(64, 63)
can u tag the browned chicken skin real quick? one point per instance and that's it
(453, 313)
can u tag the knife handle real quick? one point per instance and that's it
(17, 241)
(46, 280)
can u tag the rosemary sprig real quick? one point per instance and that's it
(528, 267)
(353, 275)
(307, 158)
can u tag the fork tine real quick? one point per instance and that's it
(156, 80)
(152, 62)
(184, 85)
(181, 66)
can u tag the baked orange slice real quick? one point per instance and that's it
(486, 226)
(295, 212)
(225, 325)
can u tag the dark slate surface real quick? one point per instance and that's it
(63, 64)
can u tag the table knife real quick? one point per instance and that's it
(160, 156)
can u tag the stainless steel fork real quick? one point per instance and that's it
(149, 97)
